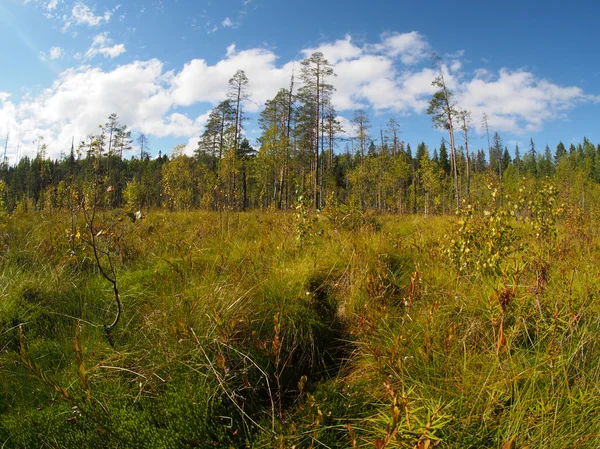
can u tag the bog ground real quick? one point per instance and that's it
(338, 329)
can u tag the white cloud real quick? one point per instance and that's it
(227, 22)
(230, 51)
(83, 15)
(101, 45)
(82, 98)
(410, 48)
(199, 82)
(56, 53)
(349, 129)
(369, 75)
(456, 66)
(517, 101)
(356, 78)
(52, 5)
(152, 100)
(334, 52)
(455, 55)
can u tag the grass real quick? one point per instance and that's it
(236, 334)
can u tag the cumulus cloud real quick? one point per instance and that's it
(410, 48)
(349, 129)
(200, 82)
(517, 101)
(82, 14)
(370, 76)
(82, 98)
(380, 77)
(56, 53)
(337, 51)
(52, 5)
(101, 45)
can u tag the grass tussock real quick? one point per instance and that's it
(272, 330)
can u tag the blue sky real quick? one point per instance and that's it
(531, 66)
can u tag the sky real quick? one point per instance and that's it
(65, 65)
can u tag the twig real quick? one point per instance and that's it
(231, 398)
(266, 379)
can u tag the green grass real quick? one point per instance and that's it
(235, 334)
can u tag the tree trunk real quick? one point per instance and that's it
(316, 152)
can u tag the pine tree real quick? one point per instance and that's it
(496, 155)
(393, 134)
(245, 152)
(480, 162)
(443, 112)
(316, 90)
(372, 152)
(362, 124)
(560, 152)
(517, 162)
(464, 117)
(274, 142)
(546, 167)
(530, 159)
(443, 157)
(238, 93)
(505, 159)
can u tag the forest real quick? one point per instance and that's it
(302, 152)
(319, 289)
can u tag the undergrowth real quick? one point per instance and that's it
(276, 330)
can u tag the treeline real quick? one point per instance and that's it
(302, 153)
(384, 179)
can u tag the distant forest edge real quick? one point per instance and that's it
(295, 160)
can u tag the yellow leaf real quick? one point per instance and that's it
(510, 444)
(221, 361)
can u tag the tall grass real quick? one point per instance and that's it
(239, 331)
